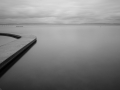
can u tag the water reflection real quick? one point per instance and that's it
(9, 65)
(68, 58)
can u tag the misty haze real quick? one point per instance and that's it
(59, 44)
(66, 57)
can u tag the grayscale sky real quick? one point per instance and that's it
(59, 11)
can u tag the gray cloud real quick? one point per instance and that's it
(64, 11)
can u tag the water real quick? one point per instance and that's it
(67, 58)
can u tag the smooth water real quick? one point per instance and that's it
(66, 58)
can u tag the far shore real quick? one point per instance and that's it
(21, 24)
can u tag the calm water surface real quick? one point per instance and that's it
(66, 58)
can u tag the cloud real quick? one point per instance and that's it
(66, 11)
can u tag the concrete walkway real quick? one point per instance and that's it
(9, 51)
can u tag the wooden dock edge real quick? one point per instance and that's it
(11, 50)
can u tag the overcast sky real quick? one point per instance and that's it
(59, 11)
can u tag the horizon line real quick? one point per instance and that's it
(59, 24)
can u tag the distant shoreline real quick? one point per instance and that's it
(20, 24)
